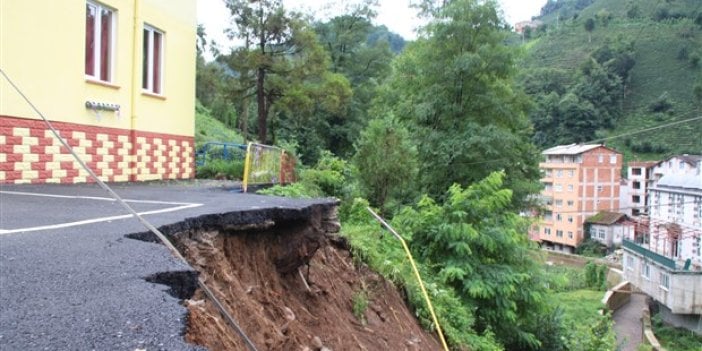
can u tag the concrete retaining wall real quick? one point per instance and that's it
(618, 296)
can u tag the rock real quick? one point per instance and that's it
(289, 315)
(317, 343)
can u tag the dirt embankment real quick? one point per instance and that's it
(292, 285)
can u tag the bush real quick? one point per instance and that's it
(221, 169)
(296, 190)
(591, 248)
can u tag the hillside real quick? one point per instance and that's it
(664, 41)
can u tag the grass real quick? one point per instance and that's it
(580, 306)
(677, 339)
(208, 128)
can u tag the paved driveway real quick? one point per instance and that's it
(70, 280)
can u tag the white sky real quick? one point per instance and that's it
(395, 14)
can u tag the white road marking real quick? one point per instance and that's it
(181, 206)
(93, 198)
(94, 220)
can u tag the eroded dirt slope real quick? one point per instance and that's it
(292, 285)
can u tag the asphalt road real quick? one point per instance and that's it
(70, 280)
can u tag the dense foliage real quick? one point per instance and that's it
(596, 68)
(454, 89)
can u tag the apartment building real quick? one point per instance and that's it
(579, 181)
(634, 190)
(115, 78)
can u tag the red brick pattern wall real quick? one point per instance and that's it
(29, 153)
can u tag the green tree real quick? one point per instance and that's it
(476, 245)
(454, 88)
(386, 160)
(589, 27)
(364, 63)
(289, 68)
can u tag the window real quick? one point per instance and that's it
(153, 60)
(559, 203)
(630, 263)
(559, 217)
(571, 173)
(571, 203)
(636, 199)
(600, 158)
(570, 235)
(548, 216)
(570, 187)
(636, 171)
(99, 38)
(636, 185)
(570, 219)
(559, 233)
(559, 173)
(600, 188)
(548, 186)
(558, 187)
(664, 280)
(613, 159)
(547, 231)
(645, 270)
(601, 234)
(682, 165)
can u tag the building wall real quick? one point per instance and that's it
(42, 48)
(590, 181)
(682, 296)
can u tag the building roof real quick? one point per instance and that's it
(604, 217)
(691, 159)
(643, 164)
(572, 149)
(682, 181)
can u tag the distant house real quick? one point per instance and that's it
(609, 228)
(519, 27)
(579, 181)
(115, 78)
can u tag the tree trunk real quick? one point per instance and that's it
(261, 100)
(244, 118)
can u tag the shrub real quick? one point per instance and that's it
(221, 169)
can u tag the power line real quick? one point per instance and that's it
(666, 125)
(646, 129)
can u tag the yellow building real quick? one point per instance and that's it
(116, 78)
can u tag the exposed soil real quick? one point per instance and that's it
(291, 285)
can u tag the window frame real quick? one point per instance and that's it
(661, 280)
(646, 271)
(148, 61)
(97, 55)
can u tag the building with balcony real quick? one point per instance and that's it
(664, 258)
(579, 181)
(115, 78)
(634, 190)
